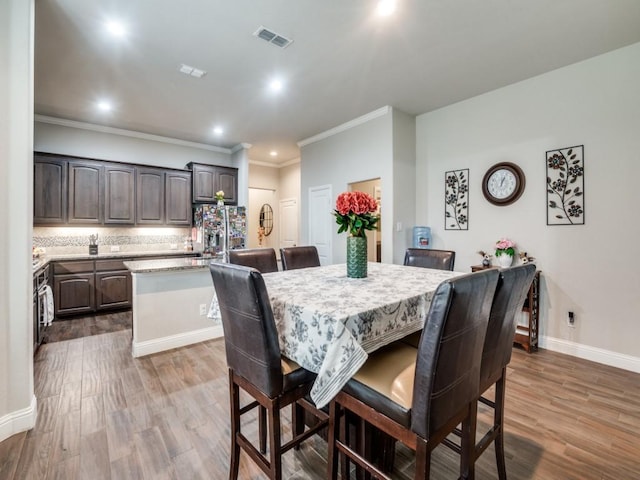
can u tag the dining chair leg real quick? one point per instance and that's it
(332, 455)
(262, 431)
(297, 421)
(498, 421)
(468, 443)
(423, 461)
(234, 394)
(274, 442)
(344, 435)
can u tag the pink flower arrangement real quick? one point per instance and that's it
(355, 213)
(505, 246)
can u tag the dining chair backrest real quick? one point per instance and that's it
(299, 257)
(250, 336)
(262, 259)
(430, 258)
(512, 290)
(450, 351)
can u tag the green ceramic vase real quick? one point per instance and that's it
(356, 257)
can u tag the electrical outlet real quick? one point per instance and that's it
(115, 248)
(571, 319)
(203, 309)
(173, 246)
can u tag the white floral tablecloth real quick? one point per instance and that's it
(328, 323)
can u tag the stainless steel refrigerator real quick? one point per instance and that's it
(220, 228)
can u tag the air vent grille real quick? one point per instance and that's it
(272, 37)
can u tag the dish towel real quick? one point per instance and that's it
(48, 306)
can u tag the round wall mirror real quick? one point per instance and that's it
(266, 218)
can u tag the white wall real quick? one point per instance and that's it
(264, 187)
(404, 185)
(354, 154)
(378, 145)
(83, 142)
(17, 401)
(589, 269)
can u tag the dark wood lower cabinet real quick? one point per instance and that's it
(74, 293)
(113, 290)
(86, 286)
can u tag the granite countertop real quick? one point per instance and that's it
(169, 264)
(43, 260)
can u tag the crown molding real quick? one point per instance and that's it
(274, 165)
(127, 133)
(346, 126)
(241, 146)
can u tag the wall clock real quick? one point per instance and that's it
(503, 183)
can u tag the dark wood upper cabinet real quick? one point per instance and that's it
(208, 179)
(49, 190)
(204, 178)
(150, 196)
(178, 198)
(85, 192)
(119, 199)
(77, 191)
(227, 181)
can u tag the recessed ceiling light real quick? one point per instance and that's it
(115, 28)
(386, 7)
(104, 106)
(273, 153)
(276, 85)
(218, 130)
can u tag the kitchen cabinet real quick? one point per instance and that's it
(178, 198)
(77, 191)
(49, 190)
(150, 196)
(208, 179)
(112, 284)
(119, 198)
(96, 285)
(74, 287)
(85, 192)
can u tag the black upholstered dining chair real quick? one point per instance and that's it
(513, 286)
(262, 259)
(257, 367)
(299, 257)
(419, 396)
(430, 258)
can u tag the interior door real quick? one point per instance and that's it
(288, 222)
(321, 221)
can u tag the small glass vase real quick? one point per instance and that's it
(221, 203)
(356, 257)
(505, 260)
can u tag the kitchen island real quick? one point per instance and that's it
(171, 298)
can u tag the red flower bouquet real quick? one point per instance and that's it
(355, 213)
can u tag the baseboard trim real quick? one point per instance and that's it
(19, 421)
(140, 349)
(598, 355)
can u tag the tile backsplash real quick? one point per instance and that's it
(69, 240)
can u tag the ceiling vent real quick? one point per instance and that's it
(189, 70)
(272, 37)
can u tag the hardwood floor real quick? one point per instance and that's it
(76, 327)
(105, 415)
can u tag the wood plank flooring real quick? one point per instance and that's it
(105, 415)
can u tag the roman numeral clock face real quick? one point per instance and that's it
(503, 183)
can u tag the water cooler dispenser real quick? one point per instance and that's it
(421, 237)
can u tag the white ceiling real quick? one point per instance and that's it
(344, 61)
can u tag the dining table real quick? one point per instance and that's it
(329, 323)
